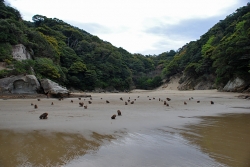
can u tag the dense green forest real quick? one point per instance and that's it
(76, 59)
(223, 53)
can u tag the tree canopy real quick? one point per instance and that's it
(75, 58)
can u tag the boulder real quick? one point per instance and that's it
(236, 85)
(53, 88)
(19, 84)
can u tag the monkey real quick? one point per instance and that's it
(185, 103)
(132, 102)
(159, 99)
(44, 116)
(113, 116)
(212, 102)
(35, 106)
(38, 99)
(119, 113)
(52, 103)
(198, 101)
(71, 101)
(90, 102)
(121, 98)
(81, 104)
(126, 103)
(107, 101)
(85, 107)
(32, 104)
(165, 102)
(168, 99)
(79, 98)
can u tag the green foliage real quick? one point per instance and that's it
(5, 51)
(222, 52)
(75, 58)
(8, 12)
(77, 67)
(208, 47)
(148, 82)
(4, 73)
(23, 67)
(45, 68)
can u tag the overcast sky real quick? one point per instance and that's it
(139, 26)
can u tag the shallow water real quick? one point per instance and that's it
(147, 150)
(45, 149)
(224, 138)
(215, 141)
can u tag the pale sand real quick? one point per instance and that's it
(144, 114)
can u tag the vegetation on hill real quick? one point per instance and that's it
(71, 56)
(75, 58)
(222, 52)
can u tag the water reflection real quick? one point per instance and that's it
(225, 138)
(45, 149)
(153, 148)
(221, 141)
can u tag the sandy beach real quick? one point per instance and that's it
(147, 113)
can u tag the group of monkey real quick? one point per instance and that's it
(81, 104)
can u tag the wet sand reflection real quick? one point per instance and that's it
(45, 149)
(215, 141)
(225, 138)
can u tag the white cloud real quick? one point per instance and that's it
(128, 20)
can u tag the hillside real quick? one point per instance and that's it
(76, 59)
(220, 55)
(69, 55)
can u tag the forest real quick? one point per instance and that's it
(76, 59)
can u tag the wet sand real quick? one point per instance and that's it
(147, 114)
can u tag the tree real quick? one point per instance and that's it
(45, 68)
(77, 67)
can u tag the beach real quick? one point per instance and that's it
(147, 113)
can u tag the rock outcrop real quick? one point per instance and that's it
(19, 84)
(236, 85)
(188, 84)
(53, 89)
(19, 52)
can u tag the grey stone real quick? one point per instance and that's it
(234, 85)
(19, 84)
(51, 87)
(19, 52)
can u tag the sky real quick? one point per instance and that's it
(138, 26)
